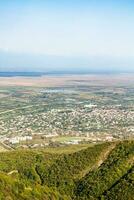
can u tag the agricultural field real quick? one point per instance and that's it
(66, 110)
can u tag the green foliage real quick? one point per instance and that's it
(122, 189)
(37, 175)
(11, 189)
(62, 173)
(96, 184)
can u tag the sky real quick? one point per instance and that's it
(45, 35)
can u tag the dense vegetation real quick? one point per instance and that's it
(100, 182)
(103, 171)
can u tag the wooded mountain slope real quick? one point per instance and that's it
(104, 171)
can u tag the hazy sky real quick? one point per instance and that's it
(66, 33)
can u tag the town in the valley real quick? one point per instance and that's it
(74, 111)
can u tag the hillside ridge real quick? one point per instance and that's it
(39, 175)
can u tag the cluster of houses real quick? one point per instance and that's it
(18, 139)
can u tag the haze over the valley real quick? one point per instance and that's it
(67, 36)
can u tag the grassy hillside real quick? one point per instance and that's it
(98, 183)
(123, 188)
(11, 188)
(96, 172)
